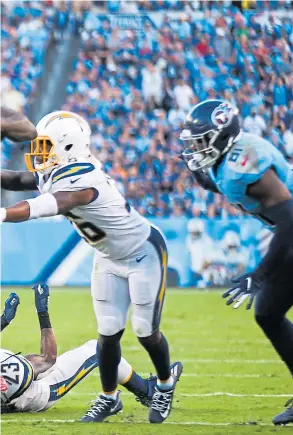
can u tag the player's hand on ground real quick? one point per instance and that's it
(42, 294)
(10, 307)
(246, 287)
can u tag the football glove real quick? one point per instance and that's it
(10, 307)
(247, 286)
(41, 297)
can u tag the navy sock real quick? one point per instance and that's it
(136, 384)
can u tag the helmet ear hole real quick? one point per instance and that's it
(68, 147)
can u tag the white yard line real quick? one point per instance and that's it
(212, 394)
(232, 361)
(217, 360)
(185, 423)
(214, 375)
(220, 393)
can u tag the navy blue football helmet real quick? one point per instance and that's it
(209, 131)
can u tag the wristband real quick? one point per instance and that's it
(43, 206)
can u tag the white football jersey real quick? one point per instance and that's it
(108, 223)
(17, 372)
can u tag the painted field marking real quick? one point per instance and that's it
(185, 423)
(212, 394)
(233, 361)
(215, 375)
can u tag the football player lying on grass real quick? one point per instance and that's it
(36, 382)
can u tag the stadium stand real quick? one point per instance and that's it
(26, 29)
(135, 85)
(136, 88)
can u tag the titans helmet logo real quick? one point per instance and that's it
(222, 115)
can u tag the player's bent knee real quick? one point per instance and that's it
(110, 339)
(151, 340)
(141, 327)
(109, 325)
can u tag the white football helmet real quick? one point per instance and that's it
(231, 240)
(63, 137)
(196, 228)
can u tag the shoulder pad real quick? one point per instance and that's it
(247, 161)
(73, 169)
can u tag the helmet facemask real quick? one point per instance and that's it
(42, 156)
(199, 152)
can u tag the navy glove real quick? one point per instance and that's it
(41, 297)
(10, 307)
(247, 286)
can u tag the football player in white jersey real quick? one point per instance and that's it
(36, 382)
(130, 265)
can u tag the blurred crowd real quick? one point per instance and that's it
(135, 88)
(145, 6)
(136, 83)
(27, 29)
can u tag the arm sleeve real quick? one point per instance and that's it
(282, 242)
(205, 181)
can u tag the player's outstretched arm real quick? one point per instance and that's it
(277, 208)
(46, 205)
(205, 181)
(48, 352)
(10, 309)
(16, 126)
(18, 181)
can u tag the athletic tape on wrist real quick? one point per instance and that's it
(43, 206)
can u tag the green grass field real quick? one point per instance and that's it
(233, 382)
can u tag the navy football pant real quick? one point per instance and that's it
(272, 303)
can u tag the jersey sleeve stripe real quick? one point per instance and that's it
(73, 169)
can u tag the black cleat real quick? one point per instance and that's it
(102, 409)
(162, 399)
(146, 399)
(161, 405)
(285, 417)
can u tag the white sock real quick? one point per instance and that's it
(124, 371)
(165, 385)
(112, 396)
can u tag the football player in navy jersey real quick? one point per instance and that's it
(253, 175)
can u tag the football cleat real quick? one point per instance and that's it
(146, 399)
(162, 399)
(102, 409)
(161, 405)
(10, 307)
(42, 293)
(285, 417)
